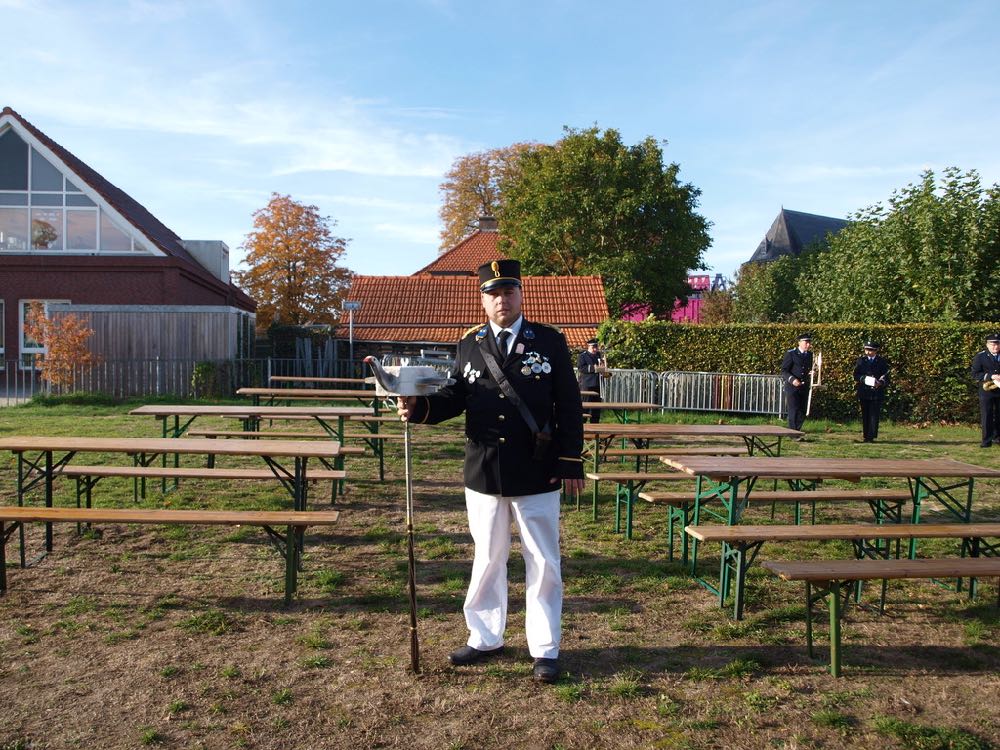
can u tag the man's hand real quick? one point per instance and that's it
(404, 407)
(572, 486)
(796, 382)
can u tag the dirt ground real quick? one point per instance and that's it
(133, 636)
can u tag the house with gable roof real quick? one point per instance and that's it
(433, 307)
(76, 243)
(792, 232)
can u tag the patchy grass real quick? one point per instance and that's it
(195, 644)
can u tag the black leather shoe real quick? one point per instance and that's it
(468, 655)
(985, 445)
(546, 670)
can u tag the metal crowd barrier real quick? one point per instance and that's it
(698, 391)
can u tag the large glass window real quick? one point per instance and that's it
(13, 161)
(113, 239)
(43, 211)
(81, 230)
(46, 229)
(13, 229)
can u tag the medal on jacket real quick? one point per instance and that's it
(527, 334)
(536, 363)
(469, 374)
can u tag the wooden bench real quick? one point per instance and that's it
(256, 434)
(87, 477)
(741, 544)
(885, 504)
(627, 485)
(829, 577)
(289, 545)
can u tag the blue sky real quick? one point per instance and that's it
(201, 109)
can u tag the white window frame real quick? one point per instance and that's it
(23, 348)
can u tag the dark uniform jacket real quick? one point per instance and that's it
(879, 368)
(499, 446)
(796, 364)
(585, 365)
(983, 367)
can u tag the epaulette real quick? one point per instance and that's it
(471, 330)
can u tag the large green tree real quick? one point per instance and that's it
(769, 292)
(930, 254)
(591, 205)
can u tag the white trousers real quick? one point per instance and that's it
(537, 518)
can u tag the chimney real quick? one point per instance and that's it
(487, 224)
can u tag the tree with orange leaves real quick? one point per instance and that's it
(65, 342)
(292, 265)
(472, 188)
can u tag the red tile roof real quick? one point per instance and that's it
(135, 213)
(438, 309)
(466, 256)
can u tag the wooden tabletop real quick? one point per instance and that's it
(307, 392)
(212, 410)
(657, 430)
(788, 533)
(290, 448)
(621, 405)
(293, 379)
(800, 467)
(138, 515)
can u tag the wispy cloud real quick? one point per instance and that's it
(420, 235)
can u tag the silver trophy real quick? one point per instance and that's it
(408, 380)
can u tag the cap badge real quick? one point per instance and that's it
(495, 267)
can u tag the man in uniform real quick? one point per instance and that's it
(589, 366)
(796, 374)
(986, 370)
(511, 471)
(871, 374)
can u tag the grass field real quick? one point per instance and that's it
(175, 637)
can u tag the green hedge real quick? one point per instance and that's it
(929, 362)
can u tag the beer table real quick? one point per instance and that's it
(38, 462)
(366, 396)
(295, 379)
(759, 438)
(177, 418)
(719, 478)
(621, 409)
(330, 418)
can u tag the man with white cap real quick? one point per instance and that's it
(796, 374)
(523, 439)
(871, 375)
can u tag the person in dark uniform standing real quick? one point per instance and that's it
(871, 374)
(986, 374)
(796, 374)
(512, 472)
(589, 367)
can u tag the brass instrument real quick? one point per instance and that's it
(990, 385)
(816, 381)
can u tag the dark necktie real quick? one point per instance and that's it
(502, 340)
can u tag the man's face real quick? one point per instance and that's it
(805, 345)
(592, 348)
(993, 347)
(869, 352)
(502, 305)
